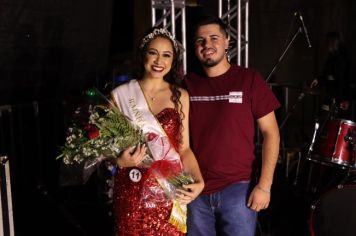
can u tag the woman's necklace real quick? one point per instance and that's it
(154, 97)
(150, 97)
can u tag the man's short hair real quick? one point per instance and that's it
(210, 19)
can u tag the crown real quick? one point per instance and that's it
(157, 32)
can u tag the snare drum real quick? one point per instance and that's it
(332, 144)
(334, 214)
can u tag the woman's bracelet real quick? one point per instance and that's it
(263, 190)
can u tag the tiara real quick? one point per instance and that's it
(157, 32)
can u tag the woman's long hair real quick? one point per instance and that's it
(173, 77)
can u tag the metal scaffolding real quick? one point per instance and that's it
(236, 13)
(169, 14)
(6, 211)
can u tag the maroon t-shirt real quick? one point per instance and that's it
(223, 111)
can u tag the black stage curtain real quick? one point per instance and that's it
(50, 47)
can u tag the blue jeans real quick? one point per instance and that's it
(222, 213)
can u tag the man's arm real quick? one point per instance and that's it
(260, 196)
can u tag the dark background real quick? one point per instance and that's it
(52, 51)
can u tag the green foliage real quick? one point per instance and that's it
(107, 132)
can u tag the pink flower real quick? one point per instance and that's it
(150, 136)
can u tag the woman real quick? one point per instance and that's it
(156, 104)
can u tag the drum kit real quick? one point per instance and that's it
(327, 172)
(333, 147)
(335, 144)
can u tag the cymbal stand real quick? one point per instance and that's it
(311, 147)
(330, 114)
(317, 134)
(310, 150)
(290, 111)
(298, 169)
(288, 114)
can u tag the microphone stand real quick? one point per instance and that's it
(301, 95)
(276, 64)
(269, 77)
(284, 52)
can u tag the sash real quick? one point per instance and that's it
(132, 103)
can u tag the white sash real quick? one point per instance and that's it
(132, 103)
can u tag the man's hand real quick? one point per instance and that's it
(259, 199)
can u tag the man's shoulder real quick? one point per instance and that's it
(246, 74)
(193, 75)
(242, 69)
(192, 78)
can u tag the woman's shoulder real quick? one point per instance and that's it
(184, 92)
(184, 95)
(124, 85)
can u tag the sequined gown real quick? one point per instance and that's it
(133, 216)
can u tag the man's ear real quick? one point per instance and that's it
(226, 43)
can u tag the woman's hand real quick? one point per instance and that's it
(132, 156)
(189, 193)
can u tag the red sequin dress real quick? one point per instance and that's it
(135, 215)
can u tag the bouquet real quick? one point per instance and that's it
(104, 134)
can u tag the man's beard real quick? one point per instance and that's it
(211, 62)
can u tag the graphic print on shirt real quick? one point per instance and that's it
(233, 97)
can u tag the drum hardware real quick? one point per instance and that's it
(289, 153)
(298, 169)
(310, 149)
(350, 139)
(339, 186)
(316, 127)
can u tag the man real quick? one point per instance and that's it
(335, 79)
(225, 103)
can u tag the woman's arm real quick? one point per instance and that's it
(189, 161)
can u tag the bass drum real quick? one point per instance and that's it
(334, 214)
